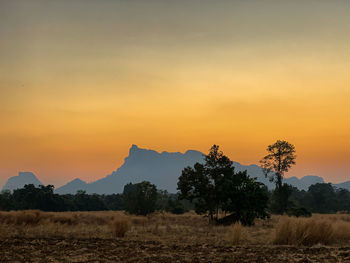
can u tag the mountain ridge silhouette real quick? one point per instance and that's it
(161, 169)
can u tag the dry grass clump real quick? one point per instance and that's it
(65, 220)
(342, 231)
(28, 217)
(34, 217)
(120, 226)
(139, 220)
(306, 232)
(34, 223)
(188, 228)
(236, 233)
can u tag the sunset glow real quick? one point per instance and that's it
(81, 81)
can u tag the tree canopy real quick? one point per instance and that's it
(214, 186)
(141, 198)
(281, 156)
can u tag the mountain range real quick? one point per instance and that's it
(22, 179)
(161, 169)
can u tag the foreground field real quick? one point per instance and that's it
(33, 236)
(106, 250)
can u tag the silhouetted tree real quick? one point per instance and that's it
(281, 156)
(162, 200)
(27, 197)
(241, 193)
(176, 206)
(215, 186)
(322, 198)
(195, 184)
(279, 201)
(85, 202)
(113, 201)
(6, 201)
(244, 198)
(141, 198)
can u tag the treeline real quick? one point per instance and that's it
(321, 198)
(144, 198)
(43, 198)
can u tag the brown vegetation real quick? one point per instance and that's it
(307, 232)
(120, 226)
(236, 233)
(170, 232)
(189, 228)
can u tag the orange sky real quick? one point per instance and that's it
(80, 81)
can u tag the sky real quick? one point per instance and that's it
(83, 80)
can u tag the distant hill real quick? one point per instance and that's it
(305, 182)
(162, 169)
(20, 180)
(72, 187)
(255, 171)
(345, 185)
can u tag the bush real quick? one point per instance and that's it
(236, 233)
(299, 212)
(120, 227)
(306, 232)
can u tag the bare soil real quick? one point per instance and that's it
(120, 250)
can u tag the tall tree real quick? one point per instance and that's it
(214, 186)
(218, 168)
(281, 156)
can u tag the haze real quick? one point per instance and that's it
(80, 81)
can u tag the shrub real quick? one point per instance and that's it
(306, 232)
(236, 233)
(342, 232)
(299, 212)
(120, 226)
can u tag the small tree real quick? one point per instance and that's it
(245, 199)
(322, 198)
(141, 198)
(195, 184)
(280, 199)
(214, 186)
(281, 156)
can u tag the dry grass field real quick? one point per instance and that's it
(33, 236)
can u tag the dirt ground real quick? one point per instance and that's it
(119, 250)
(34, 236)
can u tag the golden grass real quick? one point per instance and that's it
(236, 233)
(167, 228)
(292, 231)
(320, 229)
(120, 226)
